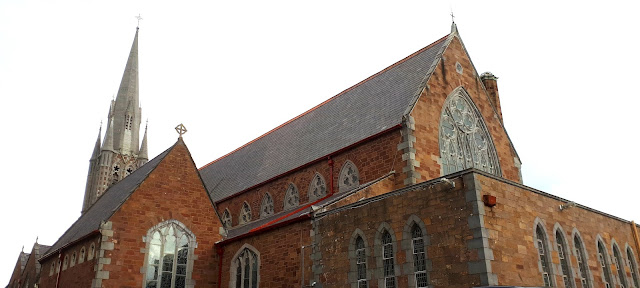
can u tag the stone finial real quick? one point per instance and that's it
(488, 75)
(181, 129)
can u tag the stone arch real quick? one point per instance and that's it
(633, 265)
(266, 208)
(237, 263)
(618, 260)
(465, 141)
(349, 177)
(416, 272)
(378, 253)
(579, 249)
(564, 268)
(291, 197)
(227, 219)
(245, 214)
(543, 246)
(604, 261)
(317, 188)
(354, 257)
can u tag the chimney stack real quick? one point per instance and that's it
(491, 84)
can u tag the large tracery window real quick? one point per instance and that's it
(617, 258)
(349, 177)
(465, 141)
(543, 256)
(292, 197)
(245, 269)
(634, 268)
(245, 214)
(604, 264)
(582, 262)
(266, 208)
(317, 188)
(169, 246)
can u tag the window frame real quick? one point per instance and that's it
(582, 259)
(618, 260)
(564, 256)
(604, 263)
(292, 190)
(633, 266)
(245, 210)
(543, 253)
(267, 203)
(343, 172)
(238, 267)
(313, 184)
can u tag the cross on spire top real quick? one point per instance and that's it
(139, 18)
(181, 129)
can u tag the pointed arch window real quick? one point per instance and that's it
(65, 264)
(92, 251)
(387, 260)
(245, 269)
(604, 264)
(543, 256)
(617, 258)
(52, 268)
(465, 141)
(361, 262)
(245, 214)
(266, 208)
(73, 259)
(169, 255)
(82, 253)
(563, 254)
(349, 177)
(292, 197)
(226, 219)
(633, 266)
(419, 256)
(317, 188)
(582, 261)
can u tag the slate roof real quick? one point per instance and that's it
(107, 204)
(370, 107)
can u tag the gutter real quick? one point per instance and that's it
(51, 253)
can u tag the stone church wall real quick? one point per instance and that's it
(427, 112)
(511, 225)
(373, 159)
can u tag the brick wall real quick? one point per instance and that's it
(78, 275)
(172, 191)
(511, 228)
(373, 159)
(429, 107)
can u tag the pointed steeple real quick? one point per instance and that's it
(143, 147)
(108, 137)
(96, 148)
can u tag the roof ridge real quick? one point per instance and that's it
(328, 100)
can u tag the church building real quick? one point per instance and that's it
(406, 179)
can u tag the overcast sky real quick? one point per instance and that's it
(232, 70)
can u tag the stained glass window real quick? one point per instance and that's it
(246, 269)
(361, 263)
(633, 267)
(167, 255)
(604, 264)
(617, 258)
(245, 214)
(543, 256)
(292, 197)
(317, 188)
(465, 141)
(226, 219)
(564, 261)
(582, 264)
(419, 257)
(266, 208)
(387, 260)
(349, 177)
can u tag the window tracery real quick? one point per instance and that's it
(266, 208)
(169, 248)
(226, 219)
(245, 214)
(465, 141)
(317, 188)
(349, 177)
(292, 197)
(245, 269)
(543, 256)
(582, 264)
(634, 268)
(617, 259)
(604, 264)
(564, 260)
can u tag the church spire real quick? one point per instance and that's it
(144, 155)
(96, 148)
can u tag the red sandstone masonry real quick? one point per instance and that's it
(80, 275)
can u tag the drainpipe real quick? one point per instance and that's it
(330, 162)
(220, 251)
(59, 268)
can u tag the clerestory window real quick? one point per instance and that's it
(349, 177)
(292, 197)
(226, 219)
(245, 268)
(266, 208)
(245, 214)
(465, 141)
(317, 188)
(169, 255)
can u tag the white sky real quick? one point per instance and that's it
(232, 70)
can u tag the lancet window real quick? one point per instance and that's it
(604, 264)
(266, 208)
(361, 262)
(349, 177)
(419, 257)
(292, 197)
(245, 269)
(465, 141)
(543, 256)
(169, 249)
(634, 268)
(582, 264)
(387, 260)
(564, 260)
(617, 258)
